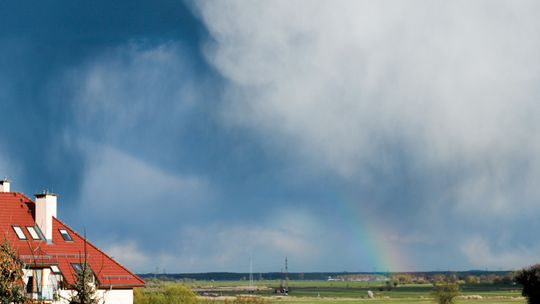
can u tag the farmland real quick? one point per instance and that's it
(326, 292)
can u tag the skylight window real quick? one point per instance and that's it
(33, 233)
(55, 269)
(19, 232)
(40, 233)
(77, 267)
(65, 235)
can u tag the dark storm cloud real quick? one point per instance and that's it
(38, 41)
(112, 106)
(215, 125)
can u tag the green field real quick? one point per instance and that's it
(326, 292)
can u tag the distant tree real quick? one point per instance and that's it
(11, 276)
(472, 279)
(437, 278)
(445, 291)
(530, 279)
(401, 279)
(508, 278)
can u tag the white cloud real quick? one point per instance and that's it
(480, 254)
(348, 83)
(133, 209)
(132, 98)
(226, 246)
(118, 187)
(131, 88)
(128, 253)
(222, 246)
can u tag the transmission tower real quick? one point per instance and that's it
(286, 275)
(250, 273)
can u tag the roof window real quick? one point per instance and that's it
(41, 235)
(19, 232)
(33, 233)
(77, 267)
(55, 269)
(65, 235)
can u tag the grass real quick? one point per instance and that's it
(342, 292)
(386, 301)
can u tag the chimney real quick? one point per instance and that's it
(45, 210)
(4, 185)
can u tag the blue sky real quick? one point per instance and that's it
(357, 136)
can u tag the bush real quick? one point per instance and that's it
(173, 294)
(140, 297)
(530, 279)
(179, 294)
(446, 291)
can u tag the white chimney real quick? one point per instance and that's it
(4, 185)
(45, 210)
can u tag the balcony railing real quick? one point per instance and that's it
(47, 293)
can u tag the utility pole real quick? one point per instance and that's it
(250, 273)
(286, 275)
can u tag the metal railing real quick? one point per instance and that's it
(118, 276)
(56, 255)
(47, 292)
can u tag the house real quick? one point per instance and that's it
(52, 252)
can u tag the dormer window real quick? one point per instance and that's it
(19, 232)
(65, 235)
(34, 233)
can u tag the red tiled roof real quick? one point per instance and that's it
(17, 209)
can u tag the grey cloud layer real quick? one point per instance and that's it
(422, 113)
(451, 85)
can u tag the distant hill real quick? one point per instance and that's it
(238, 276)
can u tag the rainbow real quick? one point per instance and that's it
(371, 236)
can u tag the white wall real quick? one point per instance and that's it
(114, 296)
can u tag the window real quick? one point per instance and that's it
(40, 233)
(33, 285)
(30, 285)
(33, 233)
(19, 232)
(77, 267)
(55, 269)
(65, 235)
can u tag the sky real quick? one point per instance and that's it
(195, 136)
